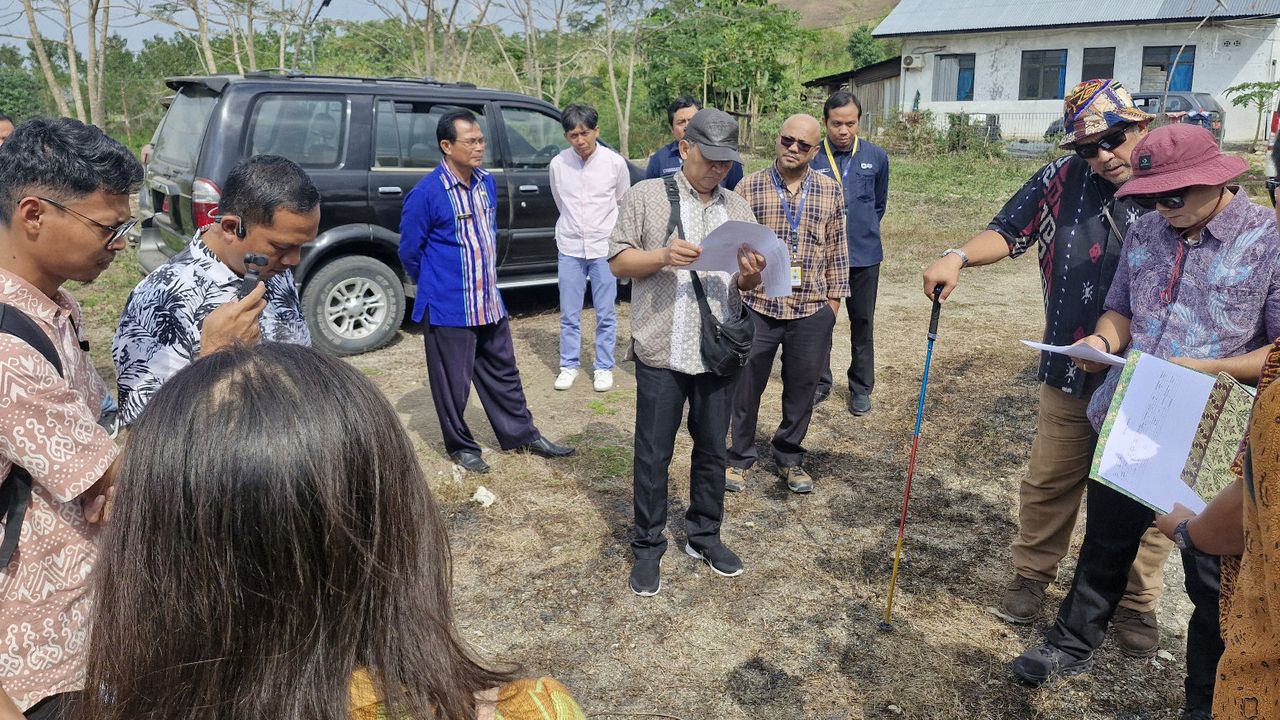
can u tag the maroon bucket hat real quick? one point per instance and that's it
(1179, 156)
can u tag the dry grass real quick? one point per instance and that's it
(541, 575)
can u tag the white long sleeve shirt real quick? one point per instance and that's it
(588, 195)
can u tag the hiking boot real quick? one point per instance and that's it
(1135, 632)
(646, 577)
(1046, 662)
(798, 481)
(735, 479)
(719, 558)
(1022, 600)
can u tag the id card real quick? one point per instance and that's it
(797, 276)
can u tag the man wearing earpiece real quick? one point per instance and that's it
(188, 307)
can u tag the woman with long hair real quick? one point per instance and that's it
(275, 554)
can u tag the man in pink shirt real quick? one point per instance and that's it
(588, 181)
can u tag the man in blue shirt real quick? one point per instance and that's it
(666, 160)
(448, 244)
(862, 169)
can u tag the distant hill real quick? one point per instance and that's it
(839, 14)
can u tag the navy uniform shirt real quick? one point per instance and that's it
(666, 161)
(863, 173)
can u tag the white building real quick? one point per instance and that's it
(1016, 58)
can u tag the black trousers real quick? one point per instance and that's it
(661, 396)
(1113, 530)
(805, 343)
(484, 354)
(62, 706)
(864, 284)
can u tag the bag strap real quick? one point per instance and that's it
(675, 221)
(15, 491)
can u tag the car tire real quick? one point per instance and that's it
(353, 304)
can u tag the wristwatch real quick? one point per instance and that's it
(1183, 538)
(964, 259)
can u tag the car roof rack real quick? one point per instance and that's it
(291, 73)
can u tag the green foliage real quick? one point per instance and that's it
(1259, 95)
(864, 49)
(21, 95)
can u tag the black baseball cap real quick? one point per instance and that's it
(715, 132)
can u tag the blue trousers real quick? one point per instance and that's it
(574, 273)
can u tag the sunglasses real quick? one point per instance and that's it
(1172, 202)
(1272, 183)
(1108, 143)
(787, 141)
(115, 232)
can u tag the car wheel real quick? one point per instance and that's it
(353, 304)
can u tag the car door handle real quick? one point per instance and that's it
(389, 190)
(529, 189)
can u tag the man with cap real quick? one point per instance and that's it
(1068, 211)
(666, 327)
(1198, 283)
(667, 159)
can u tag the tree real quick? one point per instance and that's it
(1261, 95)
(21, 95)
(864, 49)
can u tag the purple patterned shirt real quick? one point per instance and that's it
(1225, 302)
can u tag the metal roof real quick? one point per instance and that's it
(923, 17)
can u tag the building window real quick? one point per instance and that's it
(953, 78)
(1044, 75)
(1098, 63)
(1156, 64)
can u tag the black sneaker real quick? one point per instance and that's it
(1046, 662)
(719, 558)
(646, 577)
(859, 405)
(821, 395)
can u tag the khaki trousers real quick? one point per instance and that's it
(1049, 501)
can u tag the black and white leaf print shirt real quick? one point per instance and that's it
(159, 331)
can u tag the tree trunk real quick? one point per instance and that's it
(42, 55)
(73, 62)
(202, 30)
(250, 42)
(471, 36)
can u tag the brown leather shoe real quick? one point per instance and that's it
(1022, 600)
(1136, 633)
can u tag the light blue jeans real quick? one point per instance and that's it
(574, 273)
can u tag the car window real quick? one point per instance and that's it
(1147, 104)
(534, 137)
(1178, 103)
(181, 131)
(405, 134)
(307, 129)
(1207, 102)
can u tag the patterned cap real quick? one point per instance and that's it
(1095, 106)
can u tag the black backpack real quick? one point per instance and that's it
(15, 490)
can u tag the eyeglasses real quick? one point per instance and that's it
(1272, 184)
(116, 231)
(470, 142)
(1108, 143)
(786, 141)
(1172, 202)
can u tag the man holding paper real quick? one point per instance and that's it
(666, 332)
(806, 210)
(1069, 212)
(1199, 284)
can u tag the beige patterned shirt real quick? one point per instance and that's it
(666, 324)
(48, 425)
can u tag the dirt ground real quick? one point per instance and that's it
(540, 575)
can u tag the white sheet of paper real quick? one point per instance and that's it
(1082, 351)
(1151, 438)
(720, 253)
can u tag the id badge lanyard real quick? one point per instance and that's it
(837, 172)
(793, 220)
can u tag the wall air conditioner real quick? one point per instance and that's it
(912, 62)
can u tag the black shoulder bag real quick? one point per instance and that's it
(725, 345)
(15, 490)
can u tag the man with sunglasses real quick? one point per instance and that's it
(64, 213)
(861, 169)
(1199, 284)
(191, 305)
(1068, 212)
(806, 210)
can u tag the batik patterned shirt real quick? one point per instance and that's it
(48, 425)
(159, 330)
(1063, 212)
(1217, 299)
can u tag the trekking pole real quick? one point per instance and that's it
(911, 464)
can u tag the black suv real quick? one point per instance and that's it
(365, 143)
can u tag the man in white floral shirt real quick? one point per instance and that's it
(64, 215)
(188, 307)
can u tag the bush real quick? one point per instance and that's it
(914, 133)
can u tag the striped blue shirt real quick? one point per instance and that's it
(448, 244)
